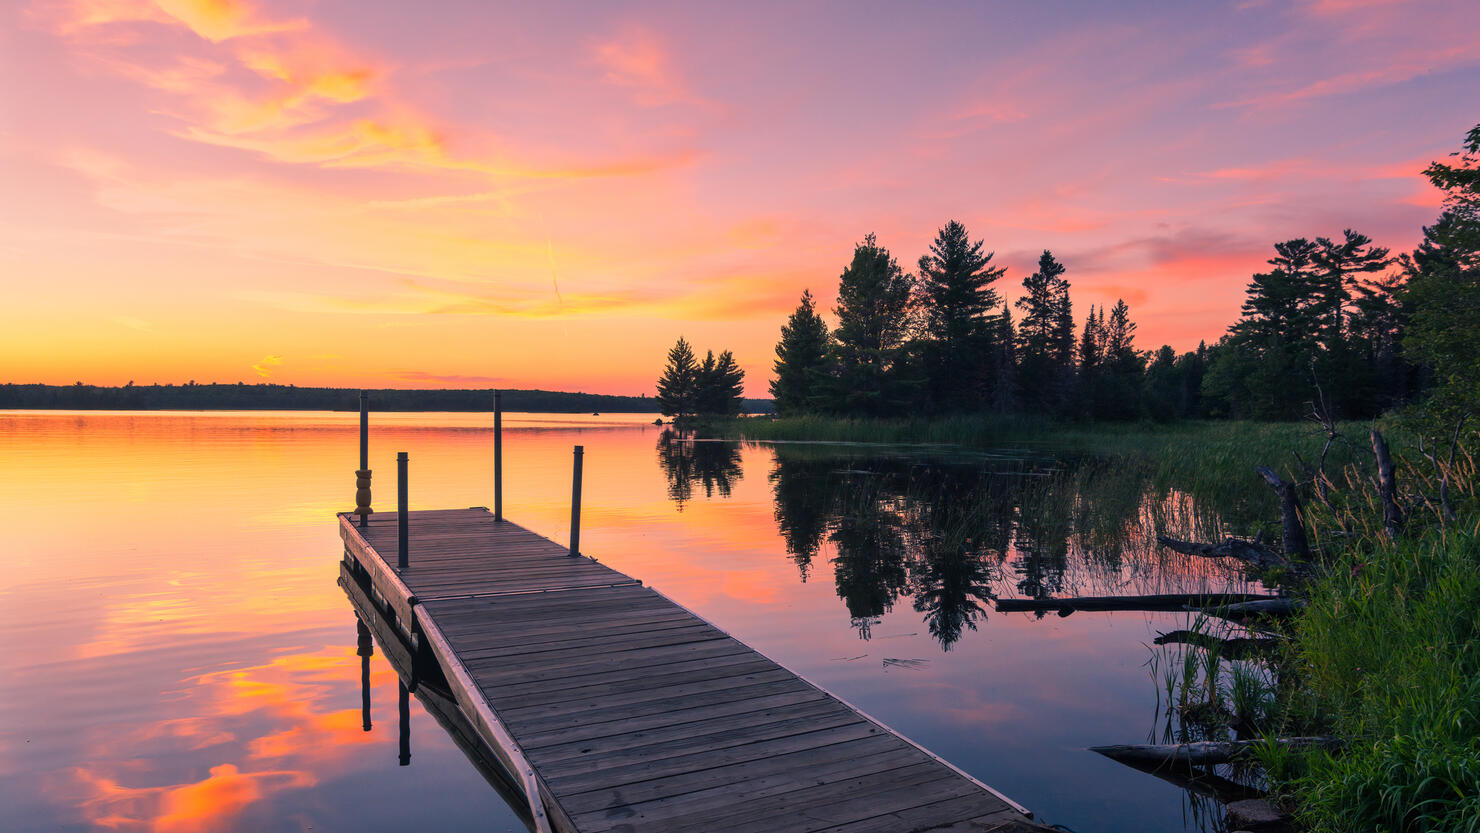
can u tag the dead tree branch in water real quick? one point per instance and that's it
(1250, 552)
(1238, 647)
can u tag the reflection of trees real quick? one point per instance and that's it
(951, 587)
(942, 531)
(869, 564)
(1042, 544)
(803, 501)
(712, 465)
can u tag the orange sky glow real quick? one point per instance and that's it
(464, 194)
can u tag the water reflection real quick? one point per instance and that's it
(686, 463)
(951, 533)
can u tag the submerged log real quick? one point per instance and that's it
(1250, 552)
(1162, 601)
(1202, 753)
(1240, 647)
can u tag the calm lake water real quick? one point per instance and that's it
(179, 657)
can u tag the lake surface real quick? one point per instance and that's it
(178, 656)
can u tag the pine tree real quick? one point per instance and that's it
(956, 300)
(719, 386)
(1046, 335)
(801, 360)
(873, 315)
(1336, 265)
(676, 387)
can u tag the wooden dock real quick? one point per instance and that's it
(618, 710)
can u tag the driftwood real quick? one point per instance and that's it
(1202, 753)
(1292, 534)
(1267, 607)
(1241, 647)
(1250, 552)
(1163, 601)
(1387, 487)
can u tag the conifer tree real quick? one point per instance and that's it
(801, 360)
(873, 315)
(956, 300)
(719, 386)
(1046, 335)
(676, 387)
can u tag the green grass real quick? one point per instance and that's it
(1389, 647)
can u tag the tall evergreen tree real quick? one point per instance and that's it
(873, 315)
(1337, 265)
(801, 360)
(676, 387)
(1045, 354)
(956, 297)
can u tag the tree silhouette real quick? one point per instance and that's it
(801, 360)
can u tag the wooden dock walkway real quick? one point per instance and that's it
(618, 710)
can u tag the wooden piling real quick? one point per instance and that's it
(498, 457)
(403, 555)
(575, 503)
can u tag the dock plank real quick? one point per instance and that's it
(631, 713)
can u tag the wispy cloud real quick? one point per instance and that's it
(264, 368)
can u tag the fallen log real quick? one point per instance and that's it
(1278, 606)
(1239, 647)
(1161, 601)
(1239, 549)
(1202, 753)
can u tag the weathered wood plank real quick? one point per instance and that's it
(630, 713)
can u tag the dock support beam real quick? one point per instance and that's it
(365, 647)
(575, 503)
(362, 474)
(403, 555)
(498, 457)
(404, 707)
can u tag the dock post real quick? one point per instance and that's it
(362, 474)
(403, 556)
(404, 707)
(365, 647)
(498, 457)
(575, 503)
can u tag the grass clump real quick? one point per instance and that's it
(1389, 645)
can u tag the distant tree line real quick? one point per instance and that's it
(1337, 324)
(272, 397)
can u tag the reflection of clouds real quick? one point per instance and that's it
(208, 804)
(274, 719)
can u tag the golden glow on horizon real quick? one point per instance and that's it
(373, 198)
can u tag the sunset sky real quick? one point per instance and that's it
(465, 194)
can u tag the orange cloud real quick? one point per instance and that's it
(637, 60)
(208, 804)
